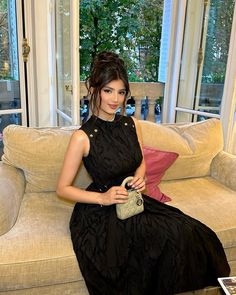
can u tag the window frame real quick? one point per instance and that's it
(228, 111)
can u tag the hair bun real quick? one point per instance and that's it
(107, 57)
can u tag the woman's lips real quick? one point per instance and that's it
(113, 106)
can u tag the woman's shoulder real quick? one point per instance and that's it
(131, 120)
(79, 136)
(126, 119)
(79, 142)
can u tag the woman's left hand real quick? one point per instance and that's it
(138, 183)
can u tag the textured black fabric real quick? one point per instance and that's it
(161, 251)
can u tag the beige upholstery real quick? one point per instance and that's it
(40, 157)
(35, 247)
(223, 169)
(9, 206)
(197, 144)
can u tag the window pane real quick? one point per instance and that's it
(63, 122)
(63, 56)
(9, 94)
(216, 54)
(9, 68)
(183, 117)
(6, 120)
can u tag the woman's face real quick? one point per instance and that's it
(112, 97)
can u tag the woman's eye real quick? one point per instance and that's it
(107, 90)
(122, 93)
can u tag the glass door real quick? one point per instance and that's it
(67, 57)
(204, 59)
(12, 89)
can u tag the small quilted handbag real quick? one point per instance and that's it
(133, 206)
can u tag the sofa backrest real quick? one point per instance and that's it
(39, 152)
(196, 143)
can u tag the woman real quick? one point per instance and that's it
(160, 251)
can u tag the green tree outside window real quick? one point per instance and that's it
(131, 28)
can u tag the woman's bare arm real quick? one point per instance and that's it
(78, 148)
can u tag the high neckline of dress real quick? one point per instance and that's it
(103, 121)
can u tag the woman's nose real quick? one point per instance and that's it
(115, 96)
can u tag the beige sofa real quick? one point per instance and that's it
(36, 255)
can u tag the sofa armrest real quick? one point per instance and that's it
(12, 187)
(223, 169)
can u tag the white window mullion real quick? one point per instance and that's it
(199, 113)
(174, 59)
(74, 6)
(52, 63)
(12, 111)
(30, 33)
(21, 64)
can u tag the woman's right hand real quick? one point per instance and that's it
(115, 195)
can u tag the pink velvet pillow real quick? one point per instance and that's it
(157, 162)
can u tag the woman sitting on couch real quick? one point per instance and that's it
(160, 251)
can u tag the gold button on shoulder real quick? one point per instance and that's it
(91, 135)
(95, 130)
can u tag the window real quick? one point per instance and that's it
(204, 59)
(126, 27)
(11, 100)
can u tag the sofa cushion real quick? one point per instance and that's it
(196, 143)
(38, 251)
(210, 202)
(39, 152)
(157, 162)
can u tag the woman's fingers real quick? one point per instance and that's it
(120, 194)
(116, 194)
(138, 183)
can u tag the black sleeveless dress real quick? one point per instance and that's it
(161, 251)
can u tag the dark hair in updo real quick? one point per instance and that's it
(106, 67)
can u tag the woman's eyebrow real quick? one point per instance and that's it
(107, 87)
